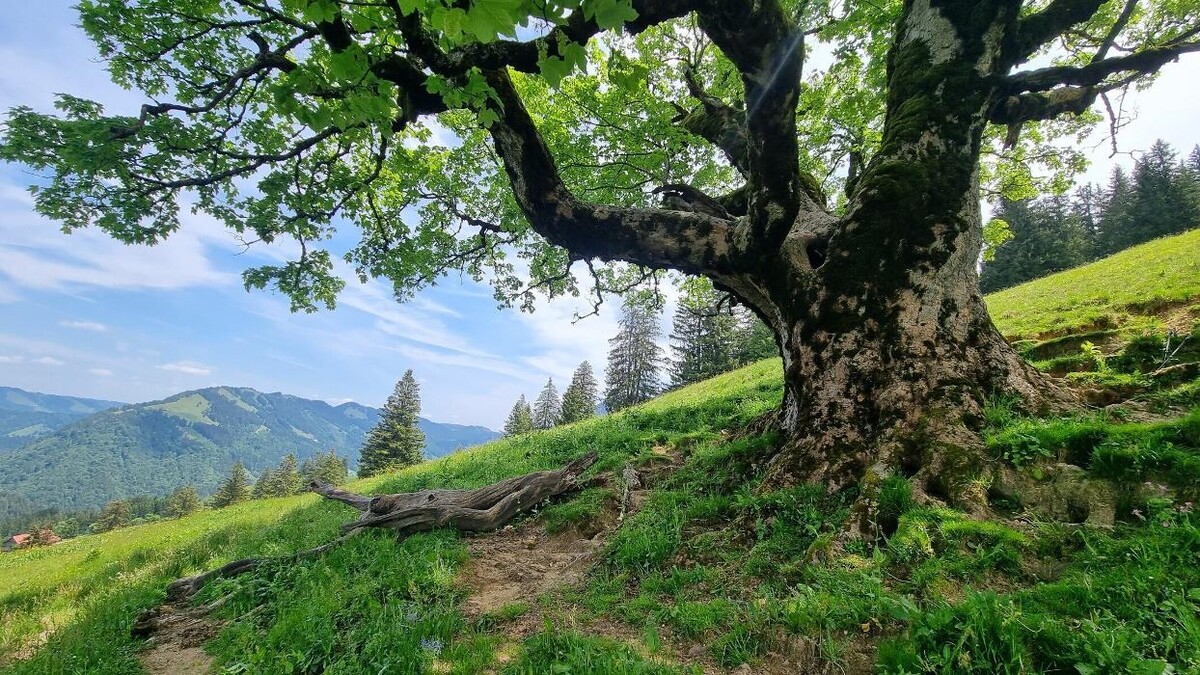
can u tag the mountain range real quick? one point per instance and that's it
(80, 453)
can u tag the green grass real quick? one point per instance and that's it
(1119, 291)
(711, 559)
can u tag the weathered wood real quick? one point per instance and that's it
(486, 508)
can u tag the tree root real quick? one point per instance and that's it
(480, 510)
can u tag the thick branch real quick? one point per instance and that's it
(695, 243)
(1145, 62)
(1040, 28)
(718, 123)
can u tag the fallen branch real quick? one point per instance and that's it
(479, 510)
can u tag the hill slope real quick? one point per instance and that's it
(704, 572)
(192, 437)
(27, 415)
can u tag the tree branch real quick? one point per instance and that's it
(1143, 63)
(1038, 29)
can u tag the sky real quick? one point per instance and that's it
(83, 315)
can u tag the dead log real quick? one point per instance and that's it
(479, 510)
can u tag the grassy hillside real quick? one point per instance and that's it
(706, 572)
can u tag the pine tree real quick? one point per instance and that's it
(705, 334)
(287, 476)
(1047, 236)
(756, 341)
(266, 485)
(1162, 196)
(396, 441)
(634, 358)
(579, 400)
(183, 501)
(236, 488)
(1116, 219)
(520, 420)
(547, 409)
(326, 467)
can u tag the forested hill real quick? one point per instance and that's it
(191, 438)
(28, 415)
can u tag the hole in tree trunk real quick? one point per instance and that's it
(817, 251)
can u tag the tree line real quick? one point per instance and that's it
(1031, 238)
(709, 336)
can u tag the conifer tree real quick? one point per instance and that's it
(326, 467)
(755, 340)
(236, 488)
(266, 485)
(579, 400)
(547, 409)
(1118, 213)
(634, 358)
(287, 476)
(183, 501)
(705, 334)
(520, 420)
(397, 440)
(1162, 200)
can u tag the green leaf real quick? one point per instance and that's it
(488, 19)
(610, 14)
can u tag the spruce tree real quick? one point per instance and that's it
(755, 339)
(266, 485)
(634, 358)
(236, 488)
(579, 400)
(705, 334)
(397, 440)
(287, 476)
(115, 514)
(183, 501)
(1162, 202)
(1116, 219)
(326, 467)
(520, 420)
(547, 409)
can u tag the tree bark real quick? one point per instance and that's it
(480, 510)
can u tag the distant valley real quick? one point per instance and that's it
(74, 453)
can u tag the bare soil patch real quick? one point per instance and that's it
(175, 638)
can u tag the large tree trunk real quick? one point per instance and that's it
(889, 353)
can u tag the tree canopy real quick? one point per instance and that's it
(287, 119)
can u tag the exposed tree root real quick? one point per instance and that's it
(479, 510)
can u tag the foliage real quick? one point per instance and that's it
(396, 440)
(184, 502)
(580, 399)
(520, 420)
(115, 514)
(326, 467)
(547, 409)
(235, 489)
(634, 358)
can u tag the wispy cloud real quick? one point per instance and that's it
(101, 372)
(84, 325)
(50, 361)
(11, 359)
(186, 367)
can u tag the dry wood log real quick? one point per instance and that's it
(479, 510)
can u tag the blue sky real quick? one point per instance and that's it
(83, 315)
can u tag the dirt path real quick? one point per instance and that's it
(174, 646)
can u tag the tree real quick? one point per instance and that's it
(266, 485)
(287, 476)
(520, 420)
(1048, 235)
(547, 409)
(285, 120)
(115, 514)
(634, 358)
(324, 467)
(235, 489)
(396, 441)
(580, 398)
(705, 336)
(183, 501)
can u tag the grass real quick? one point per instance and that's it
(711, 559)
(1123, 290)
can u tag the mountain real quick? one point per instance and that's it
(192, 437)
(26, 415)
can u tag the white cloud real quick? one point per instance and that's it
(101, 372)
(84, 325)
(186, 367)
(12, 359)
(49, 361)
